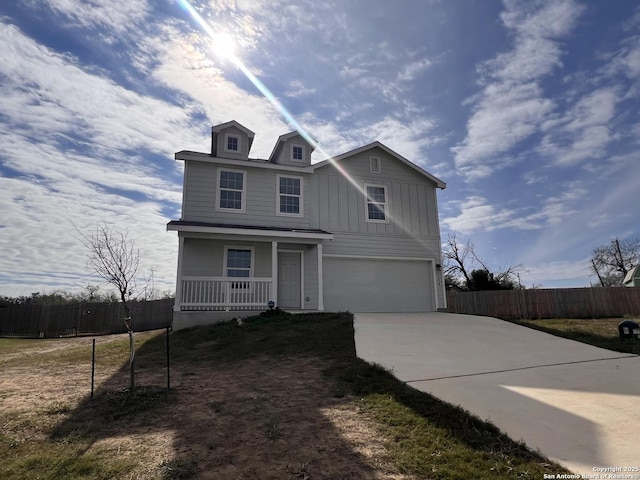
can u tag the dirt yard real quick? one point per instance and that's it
(260, 418)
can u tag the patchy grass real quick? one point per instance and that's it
(15, 345)
(278, 397)
(601, 332)
(179, 469)
(429, 438)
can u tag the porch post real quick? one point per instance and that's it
(320, 288)
(274, 272)
(177, 303)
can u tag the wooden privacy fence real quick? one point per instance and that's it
(43, 321)
(547, 303)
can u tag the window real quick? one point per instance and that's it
(289, 198)
(374, 164)
(297, 153)
(376, 203)
(231, 190)
(239, 264)
(232, 143)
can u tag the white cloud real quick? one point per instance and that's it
(409, 139)
(584, 131)
(298, 89)
(406, 139)
(40, 243)
(116, 17)
(512, 106)
(185, 68)
(505, 116)
(476, 214)
(414, 69)
(556, 274)
(594, 109)
(80, 102)
(71, 140)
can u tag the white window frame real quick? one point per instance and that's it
(375, 164)
(293, 145)
(251, 267)
(243, 202)
(278, 195)
(227, 136)
(367, 202)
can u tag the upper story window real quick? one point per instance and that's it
(231, 189)
(232, 143)
(297, 153)
(289, 197)
(374, 164)
(377, 203)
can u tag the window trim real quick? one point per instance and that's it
(278, 194)
(226, 143)
(251, 268)
(293, 145)
(243, 202)
(367, 202)
(373, 159)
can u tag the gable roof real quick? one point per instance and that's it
(233, 123)
(439, 183)
(288, 136)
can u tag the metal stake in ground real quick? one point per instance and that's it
(168, 372)
(93, 365)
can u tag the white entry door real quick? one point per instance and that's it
(289, 280)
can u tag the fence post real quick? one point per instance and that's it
(93, 364)
(79, 318)
(168, 357)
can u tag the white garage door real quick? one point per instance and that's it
(373, 285)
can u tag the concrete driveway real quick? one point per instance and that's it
(578, 404)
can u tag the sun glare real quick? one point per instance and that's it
(224, 46)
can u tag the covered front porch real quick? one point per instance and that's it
(232, 271)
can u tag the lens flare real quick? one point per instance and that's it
(224, 47)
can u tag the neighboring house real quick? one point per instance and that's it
(632, 278)
(357, 232)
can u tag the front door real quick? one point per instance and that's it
(289, 280)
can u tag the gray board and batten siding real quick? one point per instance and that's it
(387, 265)
(399, 256)
(201, 191)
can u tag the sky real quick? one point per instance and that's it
(529, 111)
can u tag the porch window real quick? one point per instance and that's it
(289, 196)
(376, 203)
(239, 264)
(231, 190)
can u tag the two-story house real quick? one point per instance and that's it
(356, 232)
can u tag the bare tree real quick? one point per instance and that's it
(463, 267)
(114, 258)
(612, 261)
(456, 258)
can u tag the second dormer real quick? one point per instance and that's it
(231, 140)
(292, 150)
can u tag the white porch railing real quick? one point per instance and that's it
(224, 293)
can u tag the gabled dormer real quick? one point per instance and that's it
(231, 140)
(293, 150)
